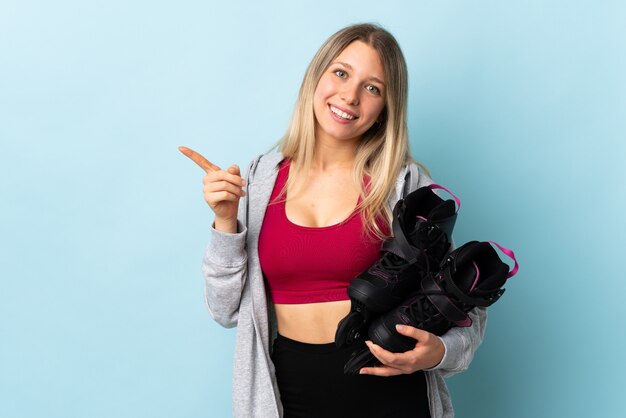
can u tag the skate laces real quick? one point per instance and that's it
(391, 263)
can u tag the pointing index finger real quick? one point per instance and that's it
(204, 164)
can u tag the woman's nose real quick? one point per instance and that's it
(350, 94)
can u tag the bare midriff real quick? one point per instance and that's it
(313, 323)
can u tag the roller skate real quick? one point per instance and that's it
(422, 230)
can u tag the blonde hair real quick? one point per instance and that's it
(383, 149)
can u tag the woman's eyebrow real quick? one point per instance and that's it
(349, 67)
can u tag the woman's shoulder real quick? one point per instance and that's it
(263, 165)
(413, 175)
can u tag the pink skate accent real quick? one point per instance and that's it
(434, 186)
(511, 255)
(421, 218)
(467, 322)
(477, 276)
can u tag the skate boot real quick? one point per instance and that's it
(472, 275)
(422, 228)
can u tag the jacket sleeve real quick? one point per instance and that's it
(460, 342)
(225, 267)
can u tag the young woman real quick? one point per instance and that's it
(307, 219)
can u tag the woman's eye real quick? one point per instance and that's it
(341, 73)
(373, 89)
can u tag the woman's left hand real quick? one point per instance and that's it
(428, 352)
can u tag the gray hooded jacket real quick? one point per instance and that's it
(236, 296)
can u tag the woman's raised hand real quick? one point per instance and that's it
(222, 190)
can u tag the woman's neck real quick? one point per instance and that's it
(332, 155)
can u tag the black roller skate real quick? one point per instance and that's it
(472, 275)
(422, 228)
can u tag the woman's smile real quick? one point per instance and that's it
(341, 115)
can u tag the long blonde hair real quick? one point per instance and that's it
(383, 149)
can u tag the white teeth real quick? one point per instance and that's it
(341, 114)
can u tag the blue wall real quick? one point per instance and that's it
(519, 107)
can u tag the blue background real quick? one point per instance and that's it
(519, 107)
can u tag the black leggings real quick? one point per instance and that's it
(312, 385)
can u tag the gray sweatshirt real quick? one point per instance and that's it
(236, 295)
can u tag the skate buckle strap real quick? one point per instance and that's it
(436, 295)
(392, 246)
(511, 255)
(434, 186)
(400, 243)
(452, 288)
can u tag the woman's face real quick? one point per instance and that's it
(350, 95)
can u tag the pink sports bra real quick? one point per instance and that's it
(305, 264)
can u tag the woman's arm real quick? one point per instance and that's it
(224, 265)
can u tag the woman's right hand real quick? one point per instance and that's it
(222, 190)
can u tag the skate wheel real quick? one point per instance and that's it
(349, 329)
(358, 360)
